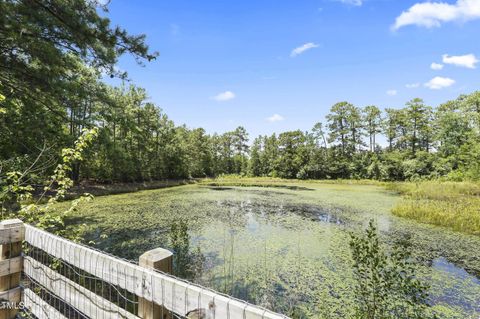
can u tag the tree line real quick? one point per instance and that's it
(138, 142)
(54, 56)
(416, 141)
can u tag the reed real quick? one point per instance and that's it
(455, 205)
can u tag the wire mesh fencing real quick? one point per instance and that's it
(68, 288)
(63, 279)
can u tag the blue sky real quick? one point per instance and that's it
(228, 63)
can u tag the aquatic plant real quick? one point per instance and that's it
(272, 246)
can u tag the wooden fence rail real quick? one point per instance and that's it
(12, 233)
(159, 294)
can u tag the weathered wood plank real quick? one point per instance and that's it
(11, 266)
(11, 231)
(157, 259)
(13, 295)
(75, 295)
(175, 295)
(39, 307)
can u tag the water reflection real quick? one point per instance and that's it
(255, 236)
(187, 263)
(329, 218)
(458, 278)
(444, 265)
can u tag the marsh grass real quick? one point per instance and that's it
(455, 205)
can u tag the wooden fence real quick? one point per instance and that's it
(52, 277)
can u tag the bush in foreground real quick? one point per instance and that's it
(387, 286)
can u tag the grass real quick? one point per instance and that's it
(455, 205)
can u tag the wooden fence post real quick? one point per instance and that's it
(12, 233)
(158, 259)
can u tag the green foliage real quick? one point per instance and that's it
(373, 121)
(422, 144)
(387, 286)
(345, 125)
(292, 155)
(44, 43)
(17, 194)
(418, 126)
(51, 89)
(138, 142)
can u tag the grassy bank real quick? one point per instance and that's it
(236, 180)
(455, 205)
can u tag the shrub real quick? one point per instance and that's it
(387, 286)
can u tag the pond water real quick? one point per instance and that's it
(283, 248)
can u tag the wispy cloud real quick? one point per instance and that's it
(466, 61)
(439, 82)
(224, 96)
(275, 118)
(301, 49)
(436, 66)
(392, 92)
(352, 2)
(412, 85)
(433, 14)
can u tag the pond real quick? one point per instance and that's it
(283, 248)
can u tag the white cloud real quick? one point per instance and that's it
(412, 85)
(224, 96)
(433, 14)
(303, 48)
(352, 2)
(392, 92)
(466, 61)
(439, 82)
(436, 66)
(275, 118)
(103, 2)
